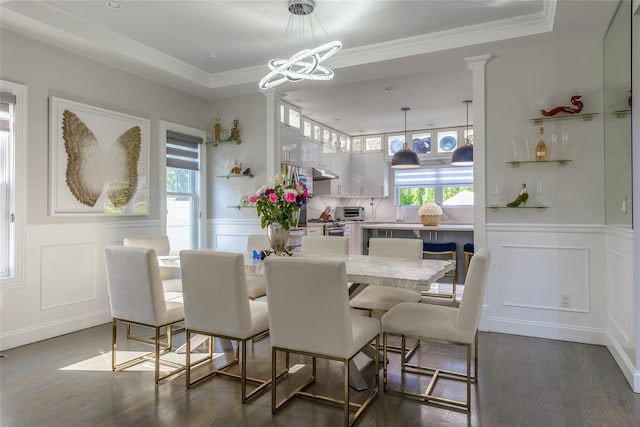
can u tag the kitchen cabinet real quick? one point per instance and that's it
(290, 142)
(369, 175)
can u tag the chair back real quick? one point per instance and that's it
(338, 245)
(309, 305)
(396, 247)
(468, 317)
(257, 242)
(214, 290)
(158, 243)
(135, 286)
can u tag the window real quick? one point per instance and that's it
(373, 143)
(183, 190)
(12, 181)
(445, 185)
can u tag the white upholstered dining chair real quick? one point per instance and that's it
(377, 298)
(216, 305)
(450, 325)
(326, 328)
(137, 297)
(161, 245)
(327, 245)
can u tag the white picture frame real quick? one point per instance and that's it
(97, 146)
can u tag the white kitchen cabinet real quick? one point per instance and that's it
(376, 175)
(290, 141)
(369, 175)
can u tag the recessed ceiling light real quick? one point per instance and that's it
(114, 4)
(211, 55)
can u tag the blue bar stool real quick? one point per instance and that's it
(441, 251)
(468, 253)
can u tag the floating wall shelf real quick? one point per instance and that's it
(585, 117)
(621, 114)
(538, 208)
(559, 162)
(235, 175)
(215, 144)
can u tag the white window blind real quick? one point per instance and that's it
(440, 175)
(183, 151)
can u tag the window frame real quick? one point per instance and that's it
(437, 186)
(17, 188)
(201, 207)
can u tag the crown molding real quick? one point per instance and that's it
(113, 49)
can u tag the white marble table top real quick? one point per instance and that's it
(386, 271)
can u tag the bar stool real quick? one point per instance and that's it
(468, 253)
(440, 251)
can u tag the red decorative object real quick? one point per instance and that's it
(630, 99)
(575, 100)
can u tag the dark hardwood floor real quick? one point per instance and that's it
(67, 381)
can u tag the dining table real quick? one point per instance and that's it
(416, 274)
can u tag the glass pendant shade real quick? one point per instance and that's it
(406, 158)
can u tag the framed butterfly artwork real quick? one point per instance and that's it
(99, 161)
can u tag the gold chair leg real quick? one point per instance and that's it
(435, 374)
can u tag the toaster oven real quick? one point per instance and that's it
(353, 213)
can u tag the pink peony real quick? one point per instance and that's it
(304, 193)
(253, 199)
(290, 196)
(273, 198)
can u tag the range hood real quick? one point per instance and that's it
(323, 174)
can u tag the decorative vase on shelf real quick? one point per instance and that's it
(278, 237)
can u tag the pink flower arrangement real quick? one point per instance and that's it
(280, 202)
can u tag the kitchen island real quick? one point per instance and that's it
(458, 233)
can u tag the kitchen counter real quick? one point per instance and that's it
(417, 226)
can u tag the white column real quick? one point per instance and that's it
(477, 66)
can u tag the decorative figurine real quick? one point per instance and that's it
(216, 130)
(235, 132)
(236, 169)
(247, 172)
(523, 196)
(575, 100)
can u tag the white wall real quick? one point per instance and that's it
(65, 285)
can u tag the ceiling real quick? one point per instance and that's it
(396, 53)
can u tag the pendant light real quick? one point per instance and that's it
(406, 158)
(463, 156)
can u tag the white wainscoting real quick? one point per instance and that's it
(620, 299)
(65, 287)
(231, 235)
(67, 274)
(547, 281)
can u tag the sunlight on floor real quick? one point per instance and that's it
(102, 362)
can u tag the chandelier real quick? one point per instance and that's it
(307, 63)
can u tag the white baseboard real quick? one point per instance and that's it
(552, 331)
(626, 365)
(44, 331)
